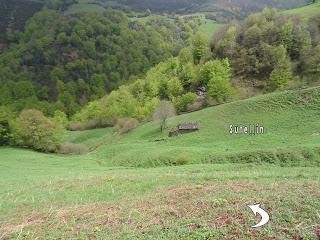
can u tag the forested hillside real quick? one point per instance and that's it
(75, 58)
(267, 52)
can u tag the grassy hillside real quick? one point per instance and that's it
(290, 119)
(92, 196)
(291, 132)
(306, 11)
(85, 7)
(219, 10)
(89, 138)
(209, 27)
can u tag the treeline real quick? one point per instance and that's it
(189, 81)
(271, 50)
(266, 52)
(61, 62)
(176, 80)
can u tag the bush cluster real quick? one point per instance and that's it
(125, 125)
(72, 148)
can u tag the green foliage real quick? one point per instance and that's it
(182, 102)
(188, 74)
(33, 130)
(71, 59)
(4, 132)
(60, 119)
(217, 75)
(185, 56)
(281, 76)
(311, 63)
(174, 87)
(265, 42)
(167, 80)
(199, 45)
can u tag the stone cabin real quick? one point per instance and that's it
(183, 128)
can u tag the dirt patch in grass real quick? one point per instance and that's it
(217, 206)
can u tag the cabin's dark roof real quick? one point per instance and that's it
(188, 126)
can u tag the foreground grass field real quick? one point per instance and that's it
(70, 198)
(130, 186)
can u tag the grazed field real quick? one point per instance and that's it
(189, 202)
(130, 187)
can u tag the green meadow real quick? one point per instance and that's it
(144, 185)
(306, 11)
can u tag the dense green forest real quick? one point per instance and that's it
(266, 52)
(271, 49)
(64, 61)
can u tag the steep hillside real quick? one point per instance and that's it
(76, 58)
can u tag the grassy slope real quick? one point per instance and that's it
(209, 27)
(85, 7)
(90, 196)
(89, 138)
(290, 119)
(306, 12)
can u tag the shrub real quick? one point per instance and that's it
(75, 126)
(281, 76)
(217, 76)
(60, 119)
(91, 124)
(33, 130)
(182, 102)
(4, 132)
(72, 148)
(125, 125)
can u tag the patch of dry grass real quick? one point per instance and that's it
(218, 207)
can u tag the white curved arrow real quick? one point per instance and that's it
(264, 215)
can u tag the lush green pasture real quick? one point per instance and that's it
(290, 119)
(103, 195)
(85, 7)
(88, 138)
(51, 197)
(307, 11)
(209, 27)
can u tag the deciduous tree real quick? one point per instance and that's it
(164, 111)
